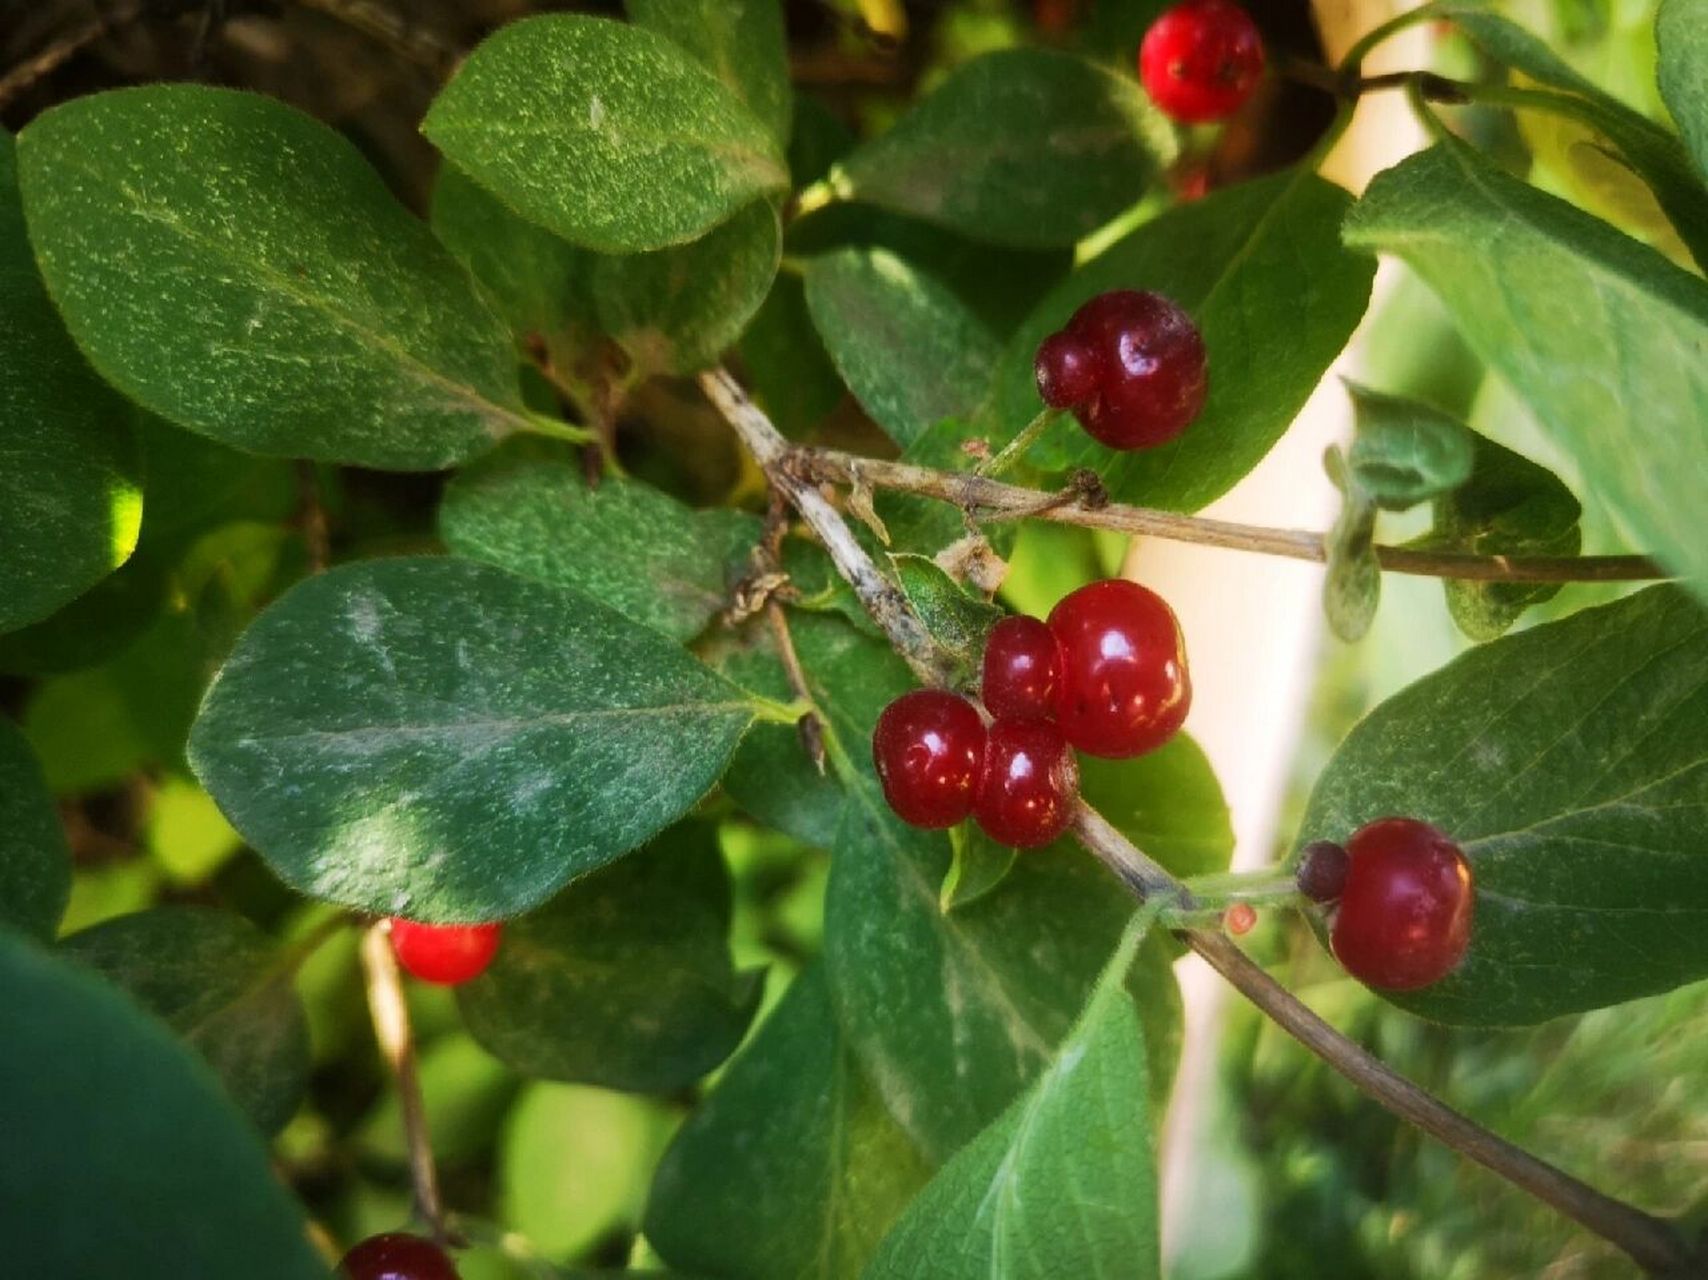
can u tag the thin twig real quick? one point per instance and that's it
(994, 500)
(1652, 1242)
(391, 1028)
(809, 726)
(62, 50)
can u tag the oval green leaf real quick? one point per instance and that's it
(35, 862)
(1600, 335)
(1024, 147)
(624, 979)
(222, 985)
(70, 489)
(445, 740)
(1570, 762)
(238, 268)
(1681, 36)
(1262, 271)
(123, 1157)
(742, 44)
(607, 134)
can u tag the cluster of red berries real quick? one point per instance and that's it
(1105, 674)
(1201, 60)
(397, 1257)
(1402, 895)
(447, 955)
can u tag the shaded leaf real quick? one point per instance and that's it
(791, 1168)
(445, 740)
(1261, 269)
(1681, 35)
(957, 620)
(1025, 147)
(1167, 802)
(1404, 451)
(239, 269)
(661, 150)
(35, 863)
(1600, 335)
(1352, 585)
(87, 1083)
(222, 985)
(1570, 762)
(624, 979)
(71, 483)
(743, 44)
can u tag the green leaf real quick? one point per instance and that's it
(222, 985)
(70, 489)
(954, 1015)
(1570, 762)
(791, 374)
(659, 149)
(1167, 802)
(445, 740)
(35, 863)
(678, 310)
(624, 979)
(1261, 269)
(238, 268)
(791, 1168)
(122, 1156)
(977, 864)
(1647, 149)
(1681, 35)
(541, 284)
(528, 509)
(1509, 507)
(1064, 1182)
(1024, 147)
(743, 44)
(957, 620)
(1404, 451)
(1600, 335)
(909, 350)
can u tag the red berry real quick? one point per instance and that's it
(448, 954)
(1068, 371)
(928, 747)
(1152, 367)
(1022, 668)
(1029, 784)
(1201, 60)
(1405, 913)
(1124, 688)
(1322, 871)
(397, 1257)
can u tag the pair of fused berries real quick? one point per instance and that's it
(447, 955)
(397, 1256)
(1201, 61)
(1106, 674)
(1402, 895)
(1130, 365)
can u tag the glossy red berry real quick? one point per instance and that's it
(1124, 688)
(1022, 669)
(928, 748)
(1405, 913)
(1151, 369)
(397, 1257)
(1322, 871)
(447, 954)
(1068, 372)
(1201, 60)
(1030, 781)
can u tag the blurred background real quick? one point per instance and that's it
(1274, 1168)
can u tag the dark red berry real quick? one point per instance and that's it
(1322, 870)
(1069, 373)
(1201, 60)
(1030, 782)
(1405, 913)
(447, 954)
(929, 747)
(1022, 669)
(397, 1257)
(1153, 372)
(1124, 688)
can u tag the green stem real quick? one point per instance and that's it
(1268, 887)
(1016, 448)
(1353, 62)
(540, 424)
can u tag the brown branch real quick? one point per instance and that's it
(62, 50)
(1653, 1243)
(407, 40)
(397, 1044)
(995, 500)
